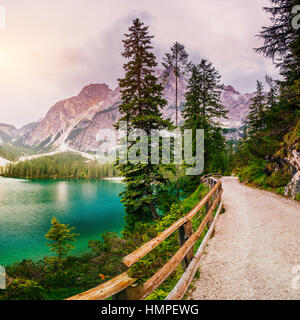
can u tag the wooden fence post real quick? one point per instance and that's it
(185, 232)
(212, 183)
(207, 207)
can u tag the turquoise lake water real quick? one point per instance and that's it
(26, 209)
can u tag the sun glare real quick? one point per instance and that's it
(4, 59)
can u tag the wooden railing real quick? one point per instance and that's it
(123, 287)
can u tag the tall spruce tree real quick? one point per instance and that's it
(202, 109)
(203, 96)
(141, 108)
(256, 116)
(272, 94)
(176, 61)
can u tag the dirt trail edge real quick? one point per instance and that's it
(255, 251)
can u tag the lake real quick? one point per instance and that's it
(26, 208)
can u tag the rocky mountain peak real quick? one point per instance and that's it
(96, 92)
(230, 89)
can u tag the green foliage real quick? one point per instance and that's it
(274, 119)
(147, 266)
(76, 274)
(176, 61)
(291, 141)
(279, 178)
(61, 278)
(253, 173)
(109, 253)
(281, 40)
(257, 173)
(60, 237)
(280, 191)
(203, 96)
(190, 202)
(12, 153)
(164, 289)
(25, 269)
(25, 290)
(203, 106)
(256, 115)
(66, 165)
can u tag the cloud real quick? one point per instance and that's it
(50, 50)
(99, 59)
(223, 32)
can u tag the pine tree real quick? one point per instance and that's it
(281, 40)
(272, 95)
(203, 97)
(256, 116)
(61, 237)
(202, 109)
(176, 61)
(141, 107)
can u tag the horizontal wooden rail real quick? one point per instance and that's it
(183, 284)
(211, 175)
(133, 257)
(106, 289)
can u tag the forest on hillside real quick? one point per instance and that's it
(66, 165)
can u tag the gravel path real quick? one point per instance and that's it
(254, 250)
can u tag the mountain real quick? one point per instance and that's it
(76, 121)
(9, 132)
(28, 127)
(65, 115)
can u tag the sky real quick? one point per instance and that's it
(50, 50)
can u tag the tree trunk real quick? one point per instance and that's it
(154, 213)
(176, 123)
(176, 99)
(59, 260)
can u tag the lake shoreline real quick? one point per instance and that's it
(118, 179)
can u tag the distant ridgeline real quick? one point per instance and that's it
(66, 165)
